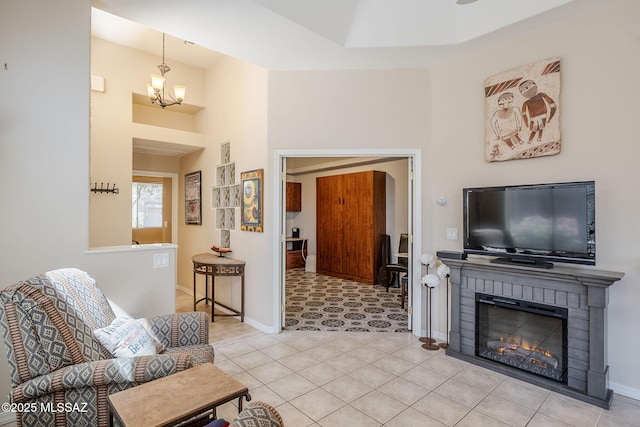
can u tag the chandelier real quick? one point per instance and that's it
(155, 90)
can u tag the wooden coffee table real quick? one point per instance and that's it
(171, 400)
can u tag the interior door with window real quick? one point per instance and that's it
(150, 210)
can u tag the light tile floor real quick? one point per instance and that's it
(364, 379)
(387, 379)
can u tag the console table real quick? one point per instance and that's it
(210, 265)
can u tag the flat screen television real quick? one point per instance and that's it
(532, 224)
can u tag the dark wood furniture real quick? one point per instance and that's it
(350, 223)
(210, 265)
(294, 197)
(169, 401)
(296, 252)
(396, 270)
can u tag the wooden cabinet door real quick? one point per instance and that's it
(329, 224)
(294, 197)
(358, 219)
(379, 225)
(350, 221)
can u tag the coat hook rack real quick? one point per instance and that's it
(102, 188)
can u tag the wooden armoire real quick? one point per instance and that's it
(350, 223)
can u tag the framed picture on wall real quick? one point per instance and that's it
(193, 198)
(522, 110)
(252, 200)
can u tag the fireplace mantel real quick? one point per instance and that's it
(583, 291)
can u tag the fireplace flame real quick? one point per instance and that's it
(516, 343)
(516, 348)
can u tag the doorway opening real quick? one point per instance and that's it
(154, 208)
(346, 297)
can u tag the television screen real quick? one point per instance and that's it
(532, 223)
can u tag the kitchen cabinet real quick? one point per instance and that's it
(294, 197)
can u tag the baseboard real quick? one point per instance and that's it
(259, 326)
(249, 321)
(624, 390)
(185, 289)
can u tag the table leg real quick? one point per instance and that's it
(213, 296)
(242, 299)
(206, 289)
(194, 290)
(246, 396)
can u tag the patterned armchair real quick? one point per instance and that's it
(47, 323)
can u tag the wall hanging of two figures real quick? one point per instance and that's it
(523, 112)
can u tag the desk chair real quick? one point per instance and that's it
(390, 273)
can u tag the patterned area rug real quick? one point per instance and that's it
(322, 303)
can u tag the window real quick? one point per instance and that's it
(146, 205)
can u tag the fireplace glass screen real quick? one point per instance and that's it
(522, 334)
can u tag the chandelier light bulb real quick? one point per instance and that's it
(157, 81)
(151, 93)
(179, 92)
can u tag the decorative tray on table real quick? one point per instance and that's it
(220, 251)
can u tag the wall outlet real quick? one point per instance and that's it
(452, 234)
(161, 260)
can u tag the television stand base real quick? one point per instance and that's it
(524, 262)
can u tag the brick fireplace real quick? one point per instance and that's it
(580, 294)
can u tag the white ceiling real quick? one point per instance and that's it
(317, 34)
(322, 34)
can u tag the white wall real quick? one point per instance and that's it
(233, 94)
(236, 111)
(126, 274)
(364, 109)
(44, 143)
(44, 171)
(126, 71)
(44, 140)
(599, 111)
(441, 110)
(350, 109)
(44, 158)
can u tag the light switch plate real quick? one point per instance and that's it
(452, 234)
(161, 260)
